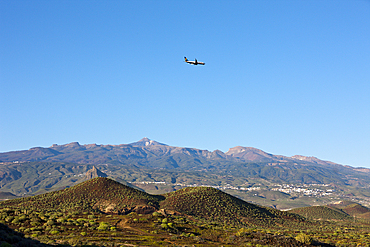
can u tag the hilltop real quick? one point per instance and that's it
(343, 210)
(352, 209)
(98, 194)
(215, 205)
(321, 213)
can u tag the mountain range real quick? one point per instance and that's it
(146, 149)
(40, 169)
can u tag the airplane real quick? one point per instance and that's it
(194, 62)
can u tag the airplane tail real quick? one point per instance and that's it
(186, 59)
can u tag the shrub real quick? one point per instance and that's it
(303, 238)
(50, 222)
(54, 232)
(61, 220)
(9, 218)
(22, 217)
(103, 226)
(242, 232)
(15, 221)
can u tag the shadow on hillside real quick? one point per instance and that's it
(9, 237)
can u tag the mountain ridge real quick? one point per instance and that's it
(146, 147)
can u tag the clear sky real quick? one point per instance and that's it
(287, 77)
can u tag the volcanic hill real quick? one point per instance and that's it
(321, 213)
(108, 196)
(100, 193)
(352, 208)
(215, 205)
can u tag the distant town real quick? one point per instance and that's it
(302, 189)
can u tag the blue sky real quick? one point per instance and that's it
(287, 77)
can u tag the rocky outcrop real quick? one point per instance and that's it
(111, 208)
(94, 173)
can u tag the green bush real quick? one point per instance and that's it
(50, 222)
(54, 232)
(61, 220)
(9, 218)
(103, 226)
(156, 214)
(15, 221)
(303, 238)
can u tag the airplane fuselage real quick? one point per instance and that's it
(194, 62)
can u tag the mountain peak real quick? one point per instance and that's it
(73, 144)
(146, 142)
(249, 153)
(239, 149)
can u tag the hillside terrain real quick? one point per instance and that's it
(7, 195)
(322, 213)
(352, 209)
(248, 173)
(103, 212)
(108, 196)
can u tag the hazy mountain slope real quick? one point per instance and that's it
(7, 195)
(35, 176)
